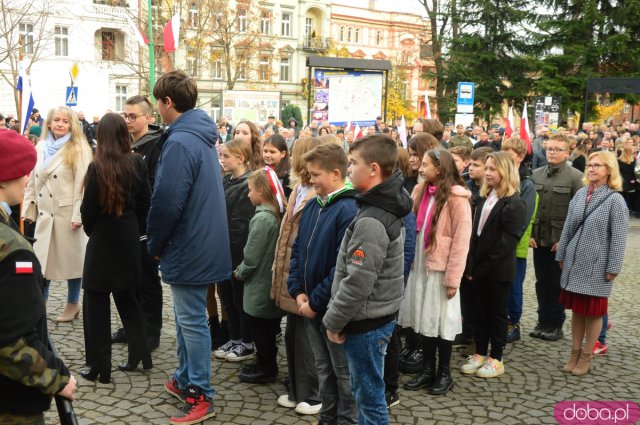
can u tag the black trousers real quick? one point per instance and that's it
(96, 311)
(149, 293)
(467, 308)
(490, 297)
(264, 335)
(301, 362)
(392, 362)
(548, 273)
(232, 293)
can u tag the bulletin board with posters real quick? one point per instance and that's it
(250, 105)
(343, 96)
(547, 111)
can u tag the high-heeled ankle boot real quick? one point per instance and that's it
(130, 366)
(102, 374)
(584, 364)
(71, 311)
(443, 382)
(425, 379)
(573, 360)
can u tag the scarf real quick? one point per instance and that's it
(52, 146)
(423, 218)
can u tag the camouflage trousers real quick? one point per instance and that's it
(9, 419)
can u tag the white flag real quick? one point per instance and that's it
(402, 133)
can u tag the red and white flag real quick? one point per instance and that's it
(357, 133)
(524, 129)
(140, 36)
(24, 267)
(508, 127)
(172, 34)
(402, 132)
(427, 107)
(347, 127)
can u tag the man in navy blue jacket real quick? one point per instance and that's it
(187, 232)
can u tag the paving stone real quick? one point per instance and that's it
(526, 394)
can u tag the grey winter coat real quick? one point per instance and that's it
(597, 247)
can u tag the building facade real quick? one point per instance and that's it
(368, 33)
(53, 36)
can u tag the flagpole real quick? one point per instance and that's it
(21, 221)
(152, 59)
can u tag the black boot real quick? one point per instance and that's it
(425, 379)
(412, 363)
(443, 382)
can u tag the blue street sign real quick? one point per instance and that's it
(72, 96)
(466, 93)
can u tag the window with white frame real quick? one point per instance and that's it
(357, 36)
(216, 65)
(285, 68)
(121, 96)
(242, 20)
(286, 24)
(349, 32)
(378, 38)
(192, 62)
(263, 68)
(193, 15)
(265, 22)
(341, 33)
(61, 41)
(308, 28)
(26, 38)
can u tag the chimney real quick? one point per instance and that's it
(372, 4)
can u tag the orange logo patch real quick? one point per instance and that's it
(358, 257)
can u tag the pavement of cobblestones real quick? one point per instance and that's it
(525, 394)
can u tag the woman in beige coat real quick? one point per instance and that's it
(52, 200)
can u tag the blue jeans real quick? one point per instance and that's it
(338, 405)
(73, 290)
(603, 333)
(514, 304)
(365, 356)
(193, 338)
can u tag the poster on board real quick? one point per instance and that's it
(343, 96)
(254, 106)
(547, 111)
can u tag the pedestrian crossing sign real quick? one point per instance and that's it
(72, 96)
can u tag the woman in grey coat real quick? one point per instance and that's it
(590, 253)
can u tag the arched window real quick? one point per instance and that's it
(349, 32)
(341, 33)
(357, 37)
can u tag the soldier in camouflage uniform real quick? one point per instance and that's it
(30, 374)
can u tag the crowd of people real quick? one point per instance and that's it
(358, 240)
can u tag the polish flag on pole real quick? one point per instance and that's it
(347, 127)
(402, 132)
(172, 34)
(357, 133)
(508, 128)
(524, 129)
(427, 107)
(140, 36)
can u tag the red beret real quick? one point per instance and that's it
(17, 155)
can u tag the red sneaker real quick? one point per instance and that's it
(599, 349)
(171, 386)
(197, 408)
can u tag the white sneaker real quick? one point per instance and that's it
(284, 401)
(473, 363)
(305, 408)
(223, 350)
(491, 368)
(239, 353)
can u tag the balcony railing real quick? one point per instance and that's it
(316, 43)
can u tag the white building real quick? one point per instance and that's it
(97, 37)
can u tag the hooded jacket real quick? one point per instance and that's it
(313, 256)
(369, 280)
(187, 223)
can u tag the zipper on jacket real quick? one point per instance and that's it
(313, 232)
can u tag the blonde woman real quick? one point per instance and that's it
(498, 225)
(52, 200)
(627, 163)
(590, 254)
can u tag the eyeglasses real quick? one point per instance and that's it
(555, 150)
(596, 167)
(131, 117)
